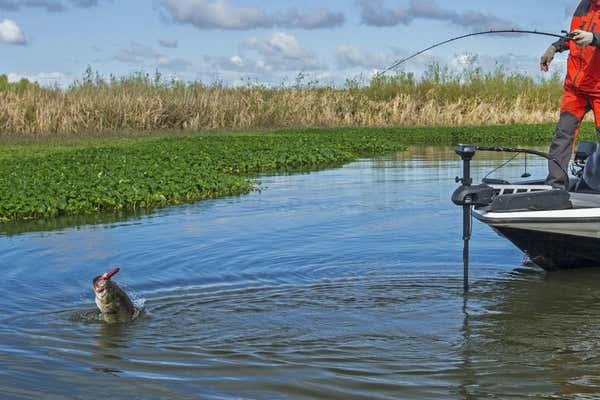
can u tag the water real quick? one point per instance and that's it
(340, 284)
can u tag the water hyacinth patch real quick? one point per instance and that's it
(151, 172)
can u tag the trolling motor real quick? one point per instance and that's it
(468, 196)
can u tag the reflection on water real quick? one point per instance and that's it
(337, 284)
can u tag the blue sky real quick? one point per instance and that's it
(266, 41)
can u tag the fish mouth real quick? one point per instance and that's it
(107, 275)
(98, 286)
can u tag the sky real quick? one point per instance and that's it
(268, 41)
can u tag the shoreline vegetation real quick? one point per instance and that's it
(142, 103)
(129, 145)
(95, 175)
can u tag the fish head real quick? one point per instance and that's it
(102, 283)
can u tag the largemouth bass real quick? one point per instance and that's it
(111, 299)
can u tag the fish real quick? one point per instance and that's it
(113, 302)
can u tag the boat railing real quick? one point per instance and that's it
(513, 189)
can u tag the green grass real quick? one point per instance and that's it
(87, 176)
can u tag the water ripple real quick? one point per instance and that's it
(337, 284)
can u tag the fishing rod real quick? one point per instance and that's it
(565, 36)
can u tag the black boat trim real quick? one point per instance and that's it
(555, 251)
(534, 200)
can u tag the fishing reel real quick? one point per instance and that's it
(569, 35)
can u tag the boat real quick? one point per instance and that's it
(556, 228)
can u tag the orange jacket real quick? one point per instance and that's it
(583, 66)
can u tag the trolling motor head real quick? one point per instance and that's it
(477, 196)
(465, 151)
(467, 195)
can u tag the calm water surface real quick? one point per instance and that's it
(340, 284)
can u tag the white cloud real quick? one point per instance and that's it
(314, 19)
(171, 44)
(240, 65)
(287, 46)
(276, 59)
(375, 13)
(48, 5)
(139, 54)
(283, 52)
(217, 14)
(221, 14)
(174, 64)
(43, 78)
(508, 63)
(351, 61)
(352, 57)
(86, 3)
(11, 33)
(136, 54)
(465, 60)
(236, 60)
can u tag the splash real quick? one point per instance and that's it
(95, 316)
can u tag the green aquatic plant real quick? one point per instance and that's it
(84, 177)
(154, 172)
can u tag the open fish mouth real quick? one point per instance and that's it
(107, 275)
(98, 286)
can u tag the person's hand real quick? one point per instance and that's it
(583, 38)
(547, 58)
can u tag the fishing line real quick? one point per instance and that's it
(566, 36)
(526, 174)
(501, 166)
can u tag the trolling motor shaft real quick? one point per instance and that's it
(466, 153)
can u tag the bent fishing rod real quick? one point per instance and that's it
(565, 35)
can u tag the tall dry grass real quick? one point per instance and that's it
(142, 103)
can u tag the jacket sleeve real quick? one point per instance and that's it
(561, 44)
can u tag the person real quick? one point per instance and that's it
(581, 87)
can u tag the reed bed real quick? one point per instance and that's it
(143, 103)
